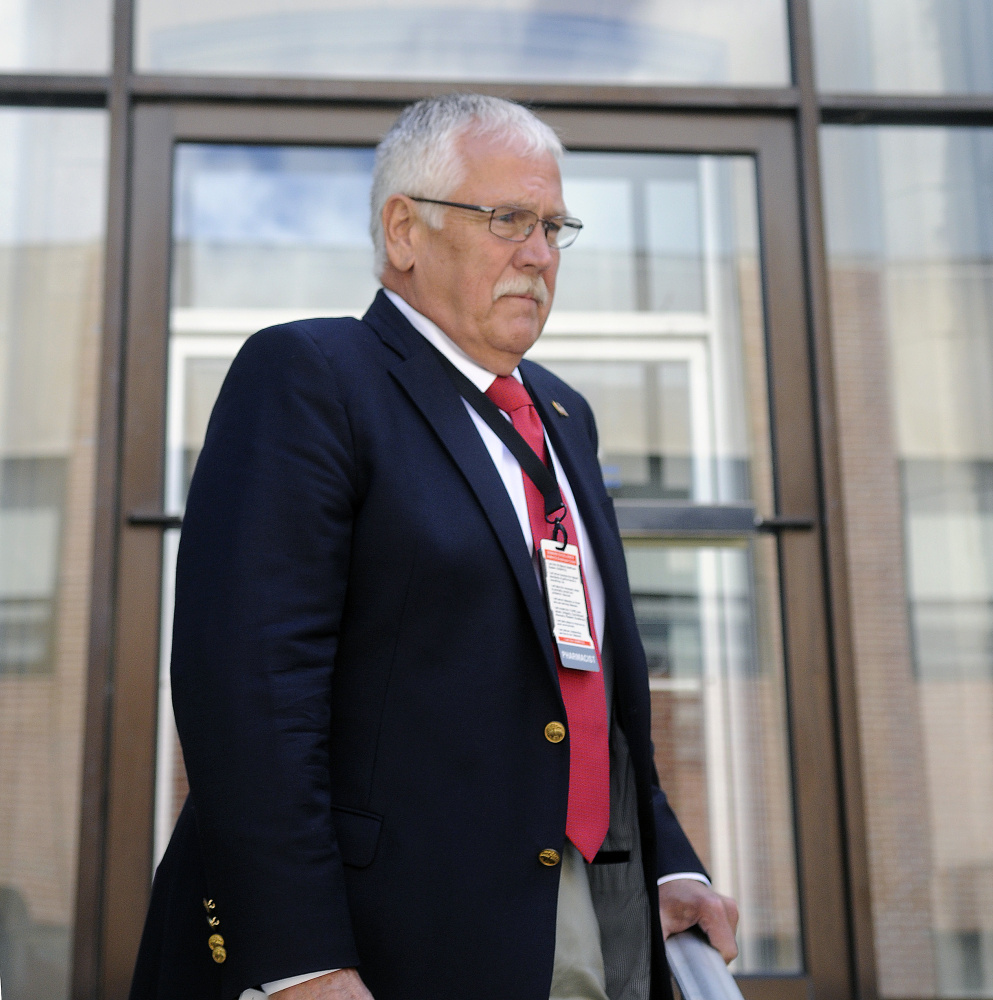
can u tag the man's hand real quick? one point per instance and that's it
(344, 984)
(684, 903)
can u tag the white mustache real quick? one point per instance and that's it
(522, 284)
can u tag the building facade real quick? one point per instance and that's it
(780, 308)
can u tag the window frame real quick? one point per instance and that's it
(771, 139)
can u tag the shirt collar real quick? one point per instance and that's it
(434, 335)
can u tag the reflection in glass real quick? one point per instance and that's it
(558, 41)
(658, 322)
(674, 241)
(910, 227)
(644, 420)
(912, 46)
(51, 222)
(666, 276)
(55, 36)
(708, 617)
(258, 226)
(665, 273)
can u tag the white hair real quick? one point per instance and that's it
(420, 155)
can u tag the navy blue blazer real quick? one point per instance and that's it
(362, 675)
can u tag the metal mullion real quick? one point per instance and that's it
(91, 904)
(134, 642)
(53, 90)
(862, 971)
(310, 90)
(906, 109)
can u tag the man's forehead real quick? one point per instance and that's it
(507, 174)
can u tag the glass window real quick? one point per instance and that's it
(51, 231)
(914, 46)
(558, 41)
(55, 36)
(910, 234)
(659, 322)
(708, 618)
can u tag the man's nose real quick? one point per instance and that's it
(535, 251)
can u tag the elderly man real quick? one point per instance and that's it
(407, 678)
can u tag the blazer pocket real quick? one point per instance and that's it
(358, 835)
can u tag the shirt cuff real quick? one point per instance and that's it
(284, 984)
(696, 876)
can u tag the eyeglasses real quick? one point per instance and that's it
(517, 224)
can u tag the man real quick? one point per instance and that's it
(399, 788)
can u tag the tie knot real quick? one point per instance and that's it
(508, 393)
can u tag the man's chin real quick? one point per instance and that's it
(520, 341)
(517, 321)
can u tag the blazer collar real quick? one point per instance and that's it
(392, 327)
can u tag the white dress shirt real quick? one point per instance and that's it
(510, 473)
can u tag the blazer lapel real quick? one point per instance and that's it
(569, 438)
(421, 376)
(572, 446)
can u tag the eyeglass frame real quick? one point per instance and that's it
(562, 221)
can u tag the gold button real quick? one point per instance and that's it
(555, 732)
(549, 858)
(218, 954)
(215, 941)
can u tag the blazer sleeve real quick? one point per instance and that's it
(675, 852)
(261, 581)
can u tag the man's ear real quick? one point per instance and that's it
(399, 219)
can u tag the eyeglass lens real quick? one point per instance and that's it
(516, 224)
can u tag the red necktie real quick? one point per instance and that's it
(588, 814)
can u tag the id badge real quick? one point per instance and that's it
(566, 600)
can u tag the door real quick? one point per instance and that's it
(680, 315)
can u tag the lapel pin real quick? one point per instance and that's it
(560, 409)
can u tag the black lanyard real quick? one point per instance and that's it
(534, 468)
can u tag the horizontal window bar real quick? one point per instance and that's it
(701, 520)
(53, 90)
(690, 519)
(907, 109)
(751, 99)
